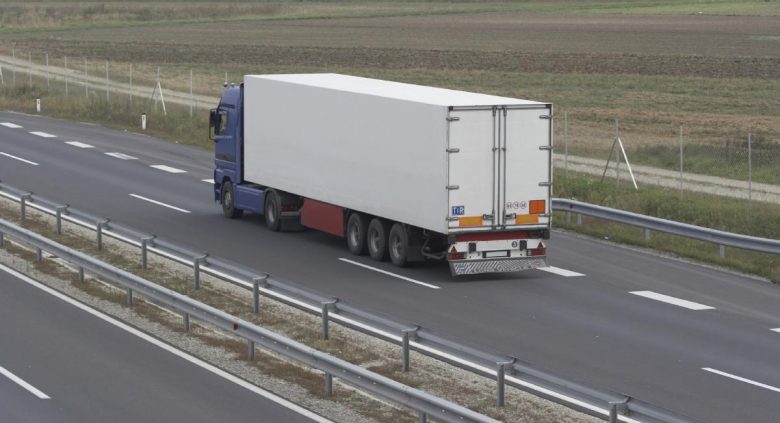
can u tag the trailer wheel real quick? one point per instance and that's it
(377, 239)
(229, 202)
(397, 243)
(272, 212)
(356, 234)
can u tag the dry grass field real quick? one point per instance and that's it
(711, 66)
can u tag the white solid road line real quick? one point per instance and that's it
(427, 285)
(208, 181)
(79, 144)
(192, 359)
(775, 330)
(672, 300)
(18, 158)
(121, 156)
(559, 271)
(10, 125)
(741, 379)
(19, 381)
(168, 169)
(159, 203)
(43, 134)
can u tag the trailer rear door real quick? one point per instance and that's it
(473, 181)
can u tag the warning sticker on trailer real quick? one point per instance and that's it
(458, 210)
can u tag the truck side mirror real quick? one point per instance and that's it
(213, 123)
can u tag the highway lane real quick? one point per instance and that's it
(589, 328)
(93, 371)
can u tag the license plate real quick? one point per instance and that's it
(493, 254)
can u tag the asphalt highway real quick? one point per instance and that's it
(695, 340)
(59, 363)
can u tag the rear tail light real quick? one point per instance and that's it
(538, 251)
(537, 207)
(456, 256)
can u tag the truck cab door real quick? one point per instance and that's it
(225, 152)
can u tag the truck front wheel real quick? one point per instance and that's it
(377, 239)
(229, 202)
(397, 245)
(356, 234)
(272, 211)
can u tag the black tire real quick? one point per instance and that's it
(228, 200)
(273, 218)
(356, 234)
(376, 238)
(397, 243)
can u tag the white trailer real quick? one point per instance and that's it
(456, 175)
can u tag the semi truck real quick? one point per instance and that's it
(400, 171)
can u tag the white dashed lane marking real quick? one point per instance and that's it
(775, 330)
(18, 158)
(385, 272)
(43, 134)
(159, 203)
(10, 125)
(559, 271)
(168, 169)
(79, 144)
(672, 300)
(121, 156)
(741, 379)
(19, 381)
(208, 181)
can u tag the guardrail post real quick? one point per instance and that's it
(99, 232)
(407, 334)
(38, 255)
(579, 219)
(722, 251)
(502, 367)
(81, 274)
(616, 408)
(256, 281)
(129, 296)
(250, 352)
(568, 216)
(186, 318)
(328, 384)
(326, 306)
(647, 234)
(2, 240)
(423, 418)
(60, 209)
(196, 268)
(144, 251)
(23, 205)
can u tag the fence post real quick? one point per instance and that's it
(23, 205)
(407, 334)
(99, 232)
(326, 306)
(617, 166)
(86, 75)
(682, 157)
(29, 67)
(13, 71)
(66, 76)
(131, 84)
(196, 268)
(750, 169)
(107, 81)
(502, 367)
(47, 71)
(566, 144)
(145, 251)
(191, 98)
(59, 211)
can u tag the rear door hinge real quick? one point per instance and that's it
(544, 184)
(452, 219)
(545, 116)
(453, 150)
(487, 217)
(545, 147)
(452, 119)
(453, 187)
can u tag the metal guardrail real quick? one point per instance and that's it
(426, 404)
(764, 245)
(505, 370)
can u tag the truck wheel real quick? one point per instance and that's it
(272, 212)
(377, 239)
(356, 234)
(229, 202)
(396, 245)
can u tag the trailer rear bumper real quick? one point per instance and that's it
(501, 265)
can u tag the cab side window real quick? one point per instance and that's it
(222, 122)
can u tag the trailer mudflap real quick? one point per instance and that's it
(499, 265)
